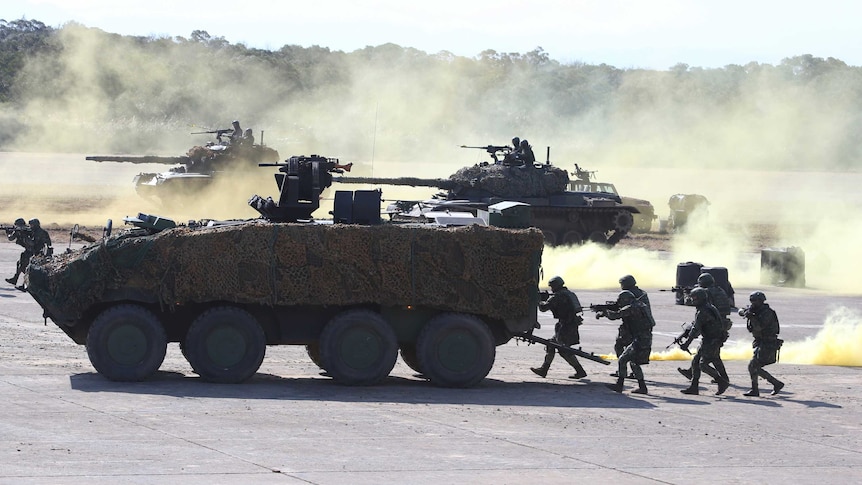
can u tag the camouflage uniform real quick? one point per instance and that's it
(624, 337)
(719, 299)
(707, 322)
(764, 327)
(639, 323)
(36, 241)
(21, 237)
(565, 306)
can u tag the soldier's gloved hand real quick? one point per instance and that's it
(684, 347)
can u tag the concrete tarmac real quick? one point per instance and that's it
(62, 423)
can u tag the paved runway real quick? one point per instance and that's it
(62, 423)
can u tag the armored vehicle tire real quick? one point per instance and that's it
(126, 343)
(572, 238)
(408, 355)
(313, 351)
(456, 350)
(358, 348)
(225, 344)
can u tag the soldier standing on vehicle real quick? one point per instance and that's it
(566, 307)
(639, 323)
(707, 322)
(719, 299)
(764, 327)
(624, 338)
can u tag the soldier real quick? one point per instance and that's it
(707, 322)
(719, 299)
(247, 138)
(236, 135)
(624, 338)
(639, 323)
(525, 153)
(19, 235)
(565, 306)
(763, 325)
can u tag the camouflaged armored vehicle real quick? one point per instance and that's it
(198, 167)
(643, 219)
(353, 294)
(563, 216)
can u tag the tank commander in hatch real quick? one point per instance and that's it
(566, 307)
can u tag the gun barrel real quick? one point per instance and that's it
(409, 181)
(141, 159)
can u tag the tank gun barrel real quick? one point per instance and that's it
(141, 159)
(444, 184)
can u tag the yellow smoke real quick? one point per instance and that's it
(839, 342)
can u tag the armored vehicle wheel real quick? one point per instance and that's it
(225, 344)
(313, 351)
(408, 355)
(358, 348)
(572, 238)
(456, 350)
(623, 221)
(126, 343)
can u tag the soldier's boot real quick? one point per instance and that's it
(777, 385)
(692, 389)
(642, 389)
(13, 280)
(579, 369)
(754, 392)
(685, 372)
(618, 387)
(540, 371)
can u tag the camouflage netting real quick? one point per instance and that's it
(503, 181)
(481, 270)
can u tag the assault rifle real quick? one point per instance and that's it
(603, 309)
(544, 295)
(13, 229)
(683, 337)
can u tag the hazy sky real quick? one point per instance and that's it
(654, 34)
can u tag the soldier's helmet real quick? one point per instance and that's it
(556, 283)
(757, 297)
(699, 296)
(19, 222)
(628, 282)
(516, 142)
(625, 298)
(705, 280)
(248, 132)
(34, 223)
(524, 144)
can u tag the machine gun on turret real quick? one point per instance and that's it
(300, 179)
(493, 150)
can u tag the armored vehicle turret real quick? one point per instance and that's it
(563, 216)
(199, 166)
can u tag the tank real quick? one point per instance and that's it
(198, 167)
(643, 219)
(565, 217)
(355, 295)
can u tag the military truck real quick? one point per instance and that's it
(643, 219)
(197, 168)
(353, 294)
(565, 217)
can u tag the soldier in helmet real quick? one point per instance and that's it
(707, 322)
(639, 323)
(236, 135)
(719, 299)
(19, 235)
(624, 338)
(34, 240)
(566, 307)
(525, 153)
(764, 327)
